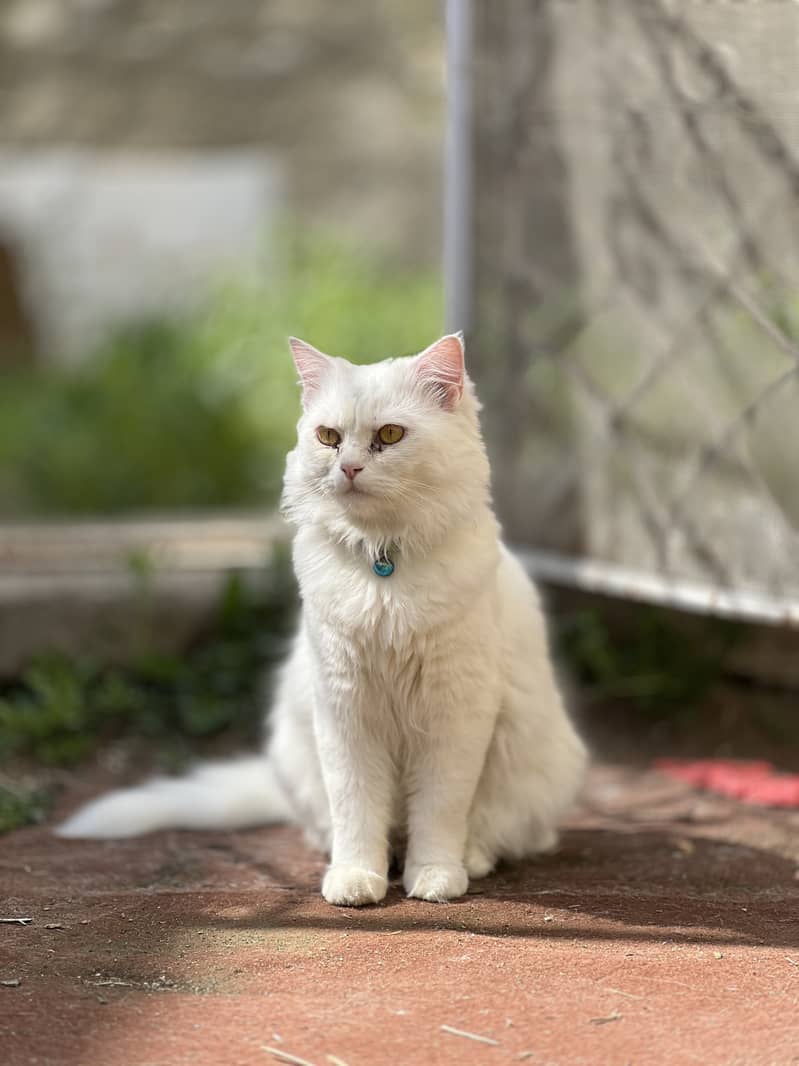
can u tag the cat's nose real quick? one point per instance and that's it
(351, 470)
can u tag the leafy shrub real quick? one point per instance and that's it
(22, 806)
(61, 709)
(199, 413)
(649, 657)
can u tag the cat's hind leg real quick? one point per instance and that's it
(533, 770)
(479, 860)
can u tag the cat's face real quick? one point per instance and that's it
(382, 445)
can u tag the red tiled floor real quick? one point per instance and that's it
(665, 930)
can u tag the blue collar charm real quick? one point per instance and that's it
(383, 566)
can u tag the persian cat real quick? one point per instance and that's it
(418, 714)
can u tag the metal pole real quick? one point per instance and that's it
(458, 168)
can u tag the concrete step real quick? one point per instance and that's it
(90, 588)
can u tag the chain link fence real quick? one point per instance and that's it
(634, 227)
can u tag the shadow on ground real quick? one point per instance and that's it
(632, 887)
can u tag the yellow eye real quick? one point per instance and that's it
(390, 434)
(328, 436)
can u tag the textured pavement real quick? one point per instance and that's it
(665, 930)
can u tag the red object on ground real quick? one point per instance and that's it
(755, 781)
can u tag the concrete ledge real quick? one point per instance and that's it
(97, 588)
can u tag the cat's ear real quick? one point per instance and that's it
(441, 369)
(312, 366)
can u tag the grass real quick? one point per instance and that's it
(62, 710)
(657, 660)
(21, 805)
(199, 413)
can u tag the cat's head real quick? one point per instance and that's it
(390, 452)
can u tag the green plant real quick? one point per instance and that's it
(651, 657)
(22, 806)
(199, 412)
(61, 709)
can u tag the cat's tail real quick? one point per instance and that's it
(228, 795)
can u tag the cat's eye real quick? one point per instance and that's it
(390, 434)
(328, 436)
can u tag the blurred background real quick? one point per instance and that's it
(602, 194)
(182, 185)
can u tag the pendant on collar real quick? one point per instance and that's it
(383, 566)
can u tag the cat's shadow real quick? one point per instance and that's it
(601, 884)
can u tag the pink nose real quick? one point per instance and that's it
(351, 471)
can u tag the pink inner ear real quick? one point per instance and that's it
(441, 368)
(311, 365)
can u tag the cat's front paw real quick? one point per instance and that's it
(436, 882)
(353, 886)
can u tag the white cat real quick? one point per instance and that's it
(418, 711)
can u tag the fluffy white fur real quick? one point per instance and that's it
(417, 714)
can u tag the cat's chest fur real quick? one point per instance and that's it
(426, 592)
